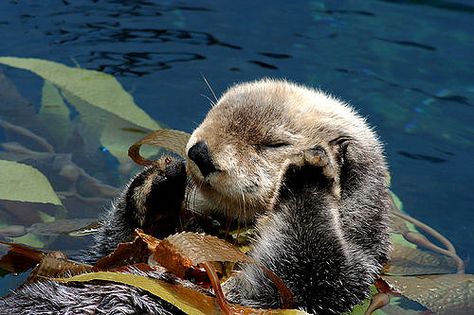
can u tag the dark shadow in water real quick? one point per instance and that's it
(123, 9)
(348, 12)
(187, 8)
(138, 63)
(263, 64)
(428, 158)
(445, 152)
(439, 4)
(167, 35)
(162, 7)
(407, 43)
(454, 98)
(110, 32)
(275, 55)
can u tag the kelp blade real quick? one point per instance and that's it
(188, 300)
(169, 139)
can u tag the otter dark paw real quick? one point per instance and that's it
(314, 165)
(319, 157)
(154, 198)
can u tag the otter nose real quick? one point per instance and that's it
(199, 153)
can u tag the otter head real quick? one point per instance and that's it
(238, 154)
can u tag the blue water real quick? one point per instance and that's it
(406, 65)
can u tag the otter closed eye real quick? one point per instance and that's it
(275, 144)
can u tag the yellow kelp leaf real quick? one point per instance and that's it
(118, 135)
(54, 113)
(188, 300)
(97, 88)
(21, 182)
(30, 240)
(102, 128)
(396, 200)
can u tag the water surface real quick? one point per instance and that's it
(405, 65)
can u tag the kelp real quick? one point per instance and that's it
(187, 254)
(171, 140)
(35, 189)
(448, 294)
(426, 277)
(407, 260)
(97, 88)
(53, 143)
(413, 255)
(61, 165)
(188, 300)
(108, 113)
(184, 255)
(73, 227)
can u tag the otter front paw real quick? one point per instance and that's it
(154, 198)
(315, 165)
(319, 157)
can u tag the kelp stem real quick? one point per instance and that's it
(216, 285)
(450, 251)
(378, 301)
(27, 133)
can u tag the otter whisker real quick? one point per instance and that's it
(211, 101)
(210, 88)
(244, 205)
(243, 209)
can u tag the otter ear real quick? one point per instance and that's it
(339, 147)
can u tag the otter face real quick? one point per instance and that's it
(238, 155)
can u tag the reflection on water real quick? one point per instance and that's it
(406, 65)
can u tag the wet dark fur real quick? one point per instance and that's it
(163, 203)
(327, 274)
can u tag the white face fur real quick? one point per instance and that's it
(252, 132)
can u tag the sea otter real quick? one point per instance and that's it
(299, 164)
(323, 226)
